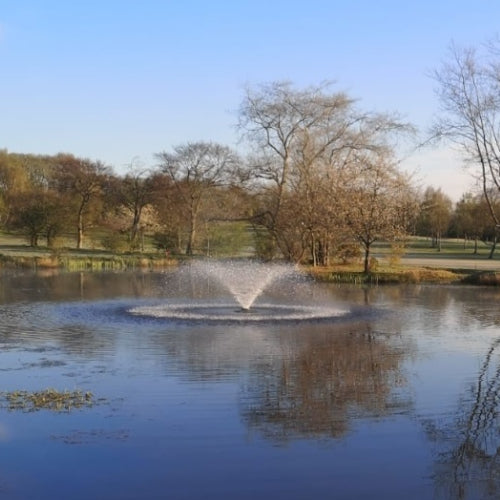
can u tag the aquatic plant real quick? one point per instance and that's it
(47, 399)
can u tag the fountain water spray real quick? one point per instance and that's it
(245, 280)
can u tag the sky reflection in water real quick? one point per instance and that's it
(396, 399)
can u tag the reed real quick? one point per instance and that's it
(86, 262)
(483, 278)
(386, 276)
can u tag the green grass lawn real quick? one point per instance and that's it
(419, 247)
(11, 244)
(15, 251)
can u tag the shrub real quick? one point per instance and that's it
(397, 252)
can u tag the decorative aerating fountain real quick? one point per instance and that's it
(246, 282)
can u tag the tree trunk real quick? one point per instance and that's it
(326, 252)
(367, 259)
(207, 232)
(79, 236)
(313, 245)
(194, 209)
(134, 230)
(50, 237)
(192, 235)
(493, 247)
(321, 252)
(179, 241)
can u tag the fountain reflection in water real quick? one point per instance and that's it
(245, 281)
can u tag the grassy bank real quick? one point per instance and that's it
(85, 262)
(453, 264)
(15, 253)
(388, 275)
(24, 257)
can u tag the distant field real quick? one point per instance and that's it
(12, 245)
(450, 247)
(15, 252)
(9, 239)
(454, 254)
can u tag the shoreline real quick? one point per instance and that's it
(408, 270)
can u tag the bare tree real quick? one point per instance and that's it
(196, 169)
(134, 192)
(469, 92)
(307, 138)
(376, 203)
(278, 119)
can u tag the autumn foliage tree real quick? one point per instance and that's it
(435, 215)
(81, 182)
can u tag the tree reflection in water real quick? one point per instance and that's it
(317, 387)
(469, 465)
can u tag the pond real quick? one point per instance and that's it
(394, 395)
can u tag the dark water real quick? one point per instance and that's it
(397, 398)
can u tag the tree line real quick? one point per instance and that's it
(321, 180)
(468, 219)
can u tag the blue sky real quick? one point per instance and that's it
(120, 80)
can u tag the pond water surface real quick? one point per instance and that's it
(394, 397)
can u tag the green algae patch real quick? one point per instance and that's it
(47, 399)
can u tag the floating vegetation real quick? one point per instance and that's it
(45, 363)
(48, 399)
(92, 436)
